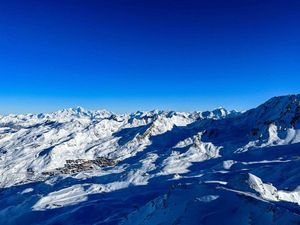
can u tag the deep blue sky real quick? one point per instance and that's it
(127, 55)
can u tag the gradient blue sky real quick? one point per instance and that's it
(127, 55)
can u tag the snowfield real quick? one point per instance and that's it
(77, 166)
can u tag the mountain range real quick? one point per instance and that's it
(77, 166)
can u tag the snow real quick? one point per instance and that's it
(207, 198)
(227, 164)
(65, 197)
(27, 190)
(269, 192)
(178, 163)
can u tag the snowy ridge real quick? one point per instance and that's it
(136, 168)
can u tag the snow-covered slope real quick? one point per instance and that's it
(77, 166)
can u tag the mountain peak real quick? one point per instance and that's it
(284, 110)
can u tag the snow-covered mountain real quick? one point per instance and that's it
(77, 166)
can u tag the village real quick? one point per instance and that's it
(73, 166)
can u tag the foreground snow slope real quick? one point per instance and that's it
(95, 167)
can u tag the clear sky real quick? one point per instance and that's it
(128, 55)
